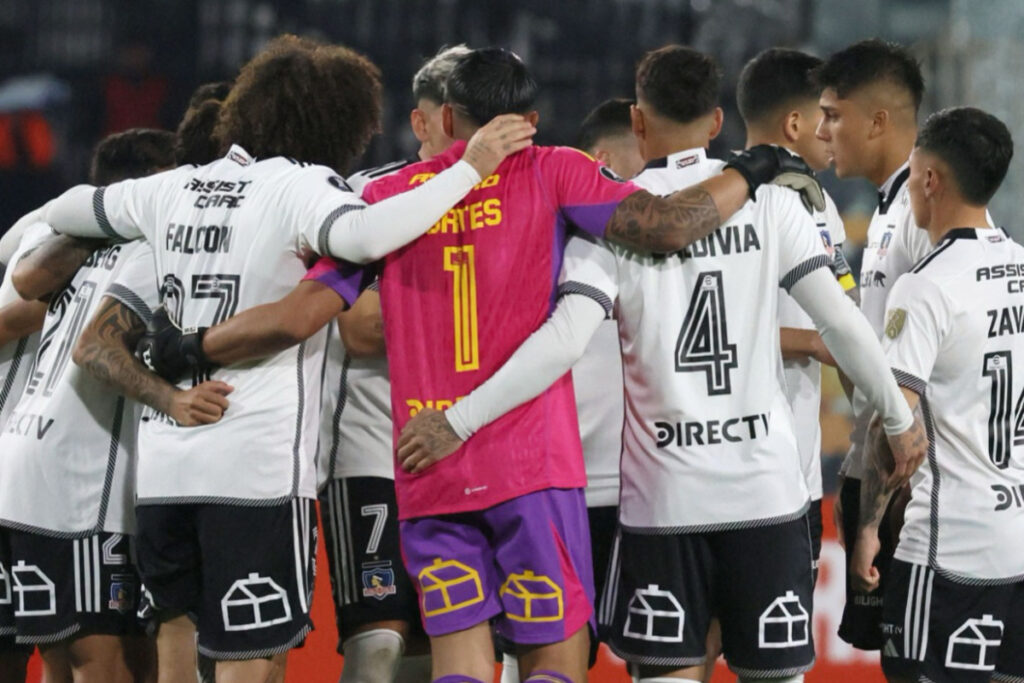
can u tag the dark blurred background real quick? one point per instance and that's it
(72, 71)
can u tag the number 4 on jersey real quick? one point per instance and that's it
(998, 366)
(703, 343)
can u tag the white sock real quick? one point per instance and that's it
(415, 669)
(372, 656)
(509, 668)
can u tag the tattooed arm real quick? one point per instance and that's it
(105, 351)
(45, 269)
(882, 477)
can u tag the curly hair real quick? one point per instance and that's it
(133, 153)
(298, 98)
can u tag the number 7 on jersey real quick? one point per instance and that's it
(461, 263)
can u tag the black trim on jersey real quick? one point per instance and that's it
(325, 227)
(336, 418)
(385, 169)
(933, 511)
(131, 300)
(256, 654)
(656, 163)
(108, 479)
(31, 529)
(961, 234)
(919, 266)
(772, 673)
(99, 212)
(885, 200)
(208, 500)
(909, 381)
(801, 270)
(301, 384)
(722, 526)
(589, 291)
(12, 371)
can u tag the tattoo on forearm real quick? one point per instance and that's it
(662, 224)
(106, 352)
(876, 488)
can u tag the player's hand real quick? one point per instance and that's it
(909, 449)
(772, 164)
(168, 352)
(864, 576)
(504, 135)
(203, 404)
(426, 439)
(837, 516)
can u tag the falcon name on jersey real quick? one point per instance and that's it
(67, 449)
(709, 439)
(954, 336)
(228, 236)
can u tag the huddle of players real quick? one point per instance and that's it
(717, 471)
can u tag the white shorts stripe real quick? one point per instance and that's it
(339, 541)
(96, 576)
(908, 614)
(86, 577)
(348, 539)
(919, 617)
(297, 554)
(927, 612)
(78, 575)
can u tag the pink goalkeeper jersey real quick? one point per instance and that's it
(460, 300)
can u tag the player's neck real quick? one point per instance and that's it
(660, 146)
(895, 153)
(756, 137)
(952, 216)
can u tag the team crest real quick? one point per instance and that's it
(826, 240)
(122, 594)
(894, 323)
(883, 246)
(378, 580)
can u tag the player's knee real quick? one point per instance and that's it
(372, 656)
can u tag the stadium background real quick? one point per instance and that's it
(72, 71)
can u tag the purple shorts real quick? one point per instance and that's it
(525, 561)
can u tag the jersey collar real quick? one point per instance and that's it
(238, 155)
(678, 160)
(972, 234)
(889, 189)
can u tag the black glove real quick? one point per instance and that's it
(772, 164)
(168, 352)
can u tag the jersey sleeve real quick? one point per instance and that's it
(590, 268)
(585, 192)
(127, 210)
(33, 236)
(917, 319)
(136, 285)
(346, 279)
(316, 197)
(801, 250)
(909, 245)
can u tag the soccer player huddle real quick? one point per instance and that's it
(546, 397)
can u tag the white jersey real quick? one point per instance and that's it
(894, 244)
(709, 440)
(597, 382)
(67, 451)
(228, 236)
(803, 377)
(955, 329)
(16, 357)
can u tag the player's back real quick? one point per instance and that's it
(705, 409)
(460, 300)
(225, 239)
(963, 307)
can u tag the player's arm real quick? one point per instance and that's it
(364, 234)
(800, 344)
(48, 267)
(362, 328)
(105, 350)
(19, 319)
(665, 224)
(546, 355)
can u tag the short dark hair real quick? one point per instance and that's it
(429, 82)
(299, 98)
(777, 78)
(194, 139)
(681, 83)
(488, 82)
(215, 90)
(976, 145)
(132, 153)
(608, 119)
(872, 61)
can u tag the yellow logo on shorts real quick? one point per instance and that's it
(538, 597)
(449, 585)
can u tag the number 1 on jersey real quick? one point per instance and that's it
(460, 262)
(998, 366)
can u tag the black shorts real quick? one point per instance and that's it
(814, 523)
(604, 522)
(56, 589)
(756, 581)
(862, 613)
(368, 578)
(938, 630)
(243, 574)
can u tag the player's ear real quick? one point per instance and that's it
(716, 123)
(418, 122)
(636, 120)
(880, 122)
(533, 117)
(446, 120)
(603, 155)
(791, 123)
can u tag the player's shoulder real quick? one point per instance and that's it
(360, 179)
